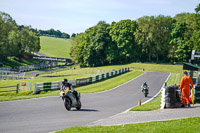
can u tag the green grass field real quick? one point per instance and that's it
(156, 67)
(187, 125)
(55, 47)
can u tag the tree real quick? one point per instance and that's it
(196, 34)
(14, 39)
(143, 36)
(178, 48)
(122, 34)
(160, 29)
(112, 51)
(13, 43)
(7, 24)
(73, 35)
(89, 48)
(99, 41)
(197, 9)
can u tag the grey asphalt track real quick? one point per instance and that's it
(41, 115)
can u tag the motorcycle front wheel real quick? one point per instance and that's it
(67, 104)
(78, 105)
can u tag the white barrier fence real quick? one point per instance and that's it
(162, 106)
(78, 82)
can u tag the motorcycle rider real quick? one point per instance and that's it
(65, 85)
(144, 85)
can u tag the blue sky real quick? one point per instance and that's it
(75, 16)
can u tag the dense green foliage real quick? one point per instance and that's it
(54, 33)
(15, 39)
(150, 38)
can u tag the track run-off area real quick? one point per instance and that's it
(42, 115)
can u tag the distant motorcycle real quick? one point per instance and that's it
(145, 89)
(70, 100)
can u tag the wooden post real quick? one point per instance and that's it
(139, 102)
(17, 90)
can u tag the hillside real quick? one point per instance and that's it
(55, 47)
(15, 61)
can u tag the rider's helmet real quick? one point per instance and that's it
(64, 81)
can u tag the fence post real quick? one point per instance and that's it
(17, 90)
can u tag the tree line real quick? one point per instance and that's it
(54, 33)
(149, 38)
(15, 39)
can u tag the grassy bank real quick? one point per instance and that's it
(157, 67)
(187, 125)
(55, 47)
(14, 61)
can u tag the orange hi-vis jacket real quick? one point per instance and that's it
(185, 81)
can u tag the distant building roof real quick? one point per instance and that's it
(189, 66)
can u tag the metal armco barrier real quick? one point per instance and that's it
(50, 86)
(46, 86)
(78, 82)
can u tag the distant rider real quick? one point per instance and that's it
(65, 85)
(143, 86)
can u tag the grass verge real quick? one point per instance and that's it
(187, 125)
(152, 105)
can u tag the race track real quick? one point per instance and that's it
(41, 115)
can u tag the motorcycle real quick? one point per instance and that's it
(70, 100)
(145, 90)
